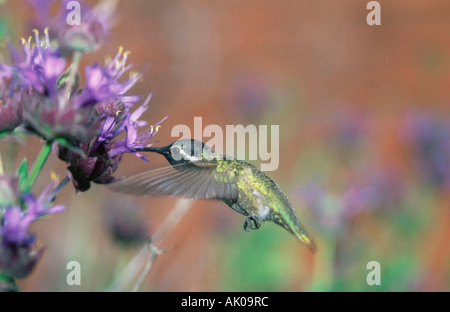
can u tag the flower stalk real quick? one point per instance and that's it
(155, 252)
(38, 165)
(129, 273)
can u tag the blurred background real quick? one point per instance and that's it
(364, 115)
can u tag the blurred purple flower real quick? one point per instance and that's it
(349, 129)
(378, 189)
(6, 73)
(251, 96)
(429, 137)
(326, 207)
(19, 261)
(88, 36)
(124, 221)
(389, 188)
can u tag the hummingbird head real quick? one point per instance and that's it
(183, 151)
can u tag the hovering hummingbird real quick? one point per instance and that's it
(197, 172)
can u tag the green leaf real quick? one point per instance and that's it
(22, 173)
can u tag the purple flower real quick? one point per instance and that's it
(15, 221)
(104, 152)
(17, 257)
(47, 111)
(95, 164)
(38, 67)
(135, 140)
(5, 72)
(15, 227)
(10, 116)
(102, 83)
(86, 121)
(37, 70)
(10, 101)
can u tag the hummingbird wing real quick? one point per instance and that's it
(198, 180)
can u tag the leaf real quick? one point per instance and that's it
(22, 173)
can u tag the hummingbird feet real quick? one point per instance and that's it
(251, 223)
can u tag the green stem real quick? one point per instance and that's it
(38, 165)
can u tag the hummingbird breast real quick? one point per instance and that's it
(258, 194)
(253, 205)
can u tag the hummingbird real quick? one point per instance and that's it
(197, 172)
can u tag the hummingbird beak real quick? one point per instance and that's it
(159, 150)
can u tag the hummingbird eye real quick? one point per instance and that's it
(175, 150)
